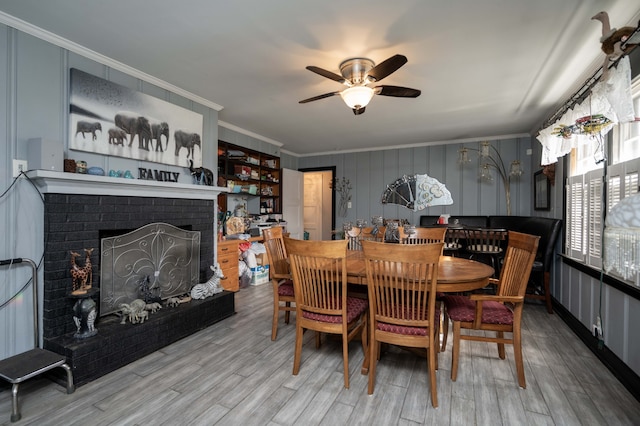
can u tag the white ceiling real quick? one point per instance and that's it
(486, 69)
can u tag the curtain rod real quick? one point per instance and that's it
(586, 87)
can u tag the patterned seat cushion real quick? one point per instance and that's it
(404, 329)
(461, 308)
(355, 307)
(285, 288)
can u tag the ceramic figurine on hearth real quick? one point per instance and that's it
(84, 317)
(211, 287)
(81, 277)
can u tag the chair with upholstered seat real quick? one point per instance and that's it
(319, 274)
(452, 244)
(402, 283)
(501, 312)
(422, 235)
(372, 233)
(280, 275)
(486, 242)
(425, 235)
(353, 236)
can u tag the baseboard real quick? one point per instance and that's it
(618, 368)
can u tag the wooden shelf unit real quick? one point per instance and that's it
(255, 173)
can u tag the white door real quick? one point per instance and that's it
(318, 204)
(292, 202)
(313, 205)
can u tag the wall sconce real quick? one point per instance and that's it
(491, 159)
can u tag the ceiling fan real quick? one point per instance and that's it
(357, 74)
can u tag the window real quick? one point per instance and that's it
(626, 137)
(585, 186)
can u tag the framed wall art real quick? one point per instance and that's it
(541, 191)
(110, 119)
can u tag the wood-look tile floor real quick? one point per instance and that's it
(233, 374)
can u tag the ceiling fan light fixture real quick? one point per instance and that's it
(357, 97)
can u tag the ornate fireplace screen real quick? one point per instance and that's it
(417, 192)
(159, 255)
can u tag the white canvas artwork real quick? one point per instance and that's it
(110, 119)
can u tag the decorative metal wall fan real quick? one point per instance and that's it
(417, 192)
(357, 74)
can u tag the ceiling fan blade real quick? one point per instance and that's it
(387, 67)
(316, 98)
(397, 91)
(358, 111)
(328, 74)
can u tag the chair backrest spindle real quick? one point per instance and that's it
(423, 235)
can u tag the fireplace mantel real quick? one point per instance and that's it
(75, 183)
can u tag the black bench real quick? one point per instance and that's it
(546, 228)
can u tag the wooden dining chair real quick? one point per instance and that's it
(402, 283)
(280, 274)
(501, 312)
(422, 235)
(373, 234)
(353, 237)
(452, 244)
(427, 235)
(320, 285)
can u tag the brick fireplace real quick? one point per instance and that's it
(77, 210)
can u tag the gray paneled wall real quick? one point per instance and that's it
(237, 138)
(370, 172)
(287, 161)
(34, 103)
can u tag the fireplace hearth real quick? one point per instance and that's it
(74, 222)
(116, 345)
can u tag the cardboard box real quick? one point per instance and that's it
(260, 275)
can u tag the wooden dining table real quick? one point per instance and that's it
(455, 274)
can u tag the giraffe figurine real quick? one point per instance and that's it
(79, 275)
(87, 267)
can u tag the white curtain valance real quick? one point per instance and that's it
(610, 98)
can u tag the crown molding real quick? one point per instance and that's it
(248, 133)
(56, 40)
